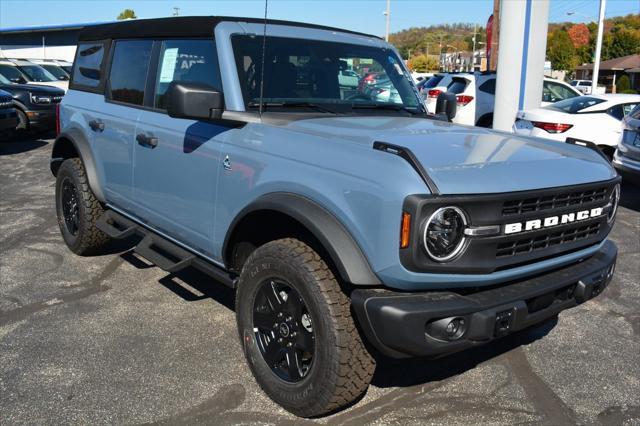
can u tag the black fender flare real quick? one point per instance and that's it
(82, 147)
(350, 261)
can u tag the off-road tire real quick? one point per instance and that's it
(88, 239)
(342, 367)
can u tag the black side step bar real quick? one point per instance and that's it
(158, 250)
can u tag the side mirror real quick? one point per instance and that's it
(446, 105)
(197, 101)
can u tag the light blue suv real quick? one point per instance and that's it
(352, 224)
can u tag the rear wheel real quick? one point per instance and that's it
(78, 209)
(297, 331)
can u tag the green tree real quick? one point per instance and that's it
(624, 42)
(560, 51)
(422, 63)
(127, 14)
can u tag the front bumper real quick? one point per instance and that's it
(409, 324)
(626, 164)
(42, 119)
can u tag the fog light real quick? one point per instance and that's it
(452, 328)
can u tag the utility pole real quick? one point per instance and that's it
(473, 53)
(387, 14)
(596, 59)
(495, 36)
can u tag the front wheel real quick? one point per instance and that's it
(297, 331)
(78, 209)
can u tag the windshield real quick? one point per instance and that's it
(339, 76)
(4, 80)
(12, 74)
(37, 73)
(575, 105)
(57, 71)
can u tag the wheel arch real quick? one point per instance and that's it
(72, 144)
(292, 215)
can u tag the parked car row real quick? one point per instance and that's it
(475, 95)
(34, 87)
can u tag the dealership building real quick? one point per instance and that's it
(41, 42)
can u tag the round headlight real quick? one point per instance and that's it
(614, 198)
(444, 233)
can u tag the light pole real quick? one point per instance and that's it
(596, 60)
(387, 14)
(596, 57)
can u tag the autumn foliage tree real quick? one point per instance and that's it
(579, 35)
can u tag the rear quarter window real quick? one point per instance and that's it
(88, 68)
(457, 86)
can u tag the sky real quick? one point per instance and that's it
(358, 15)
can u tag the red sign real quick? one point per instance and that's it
(489, 35)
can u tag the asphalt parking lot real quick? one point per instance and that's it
(111, 339)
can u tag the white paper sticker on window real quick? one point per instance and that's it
(168, 65)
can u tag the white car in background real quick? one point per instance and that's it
(584, 87)
(25, 72)
(475, 95)
(590, 120)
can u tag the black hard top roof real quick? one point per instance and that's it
(183, 26)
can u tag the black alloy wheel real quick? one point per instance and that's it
(283, 330)
(70, 206)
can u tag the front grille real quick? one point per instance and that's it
(541, 242)
(548, 202)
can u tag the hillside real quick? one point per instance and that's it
(621, 37)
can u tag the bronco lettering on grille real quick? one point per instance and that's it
(547, 222)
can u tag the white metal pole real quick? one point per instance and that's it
(44, 52)
(596, 59)
(388, 16)
(473, 54)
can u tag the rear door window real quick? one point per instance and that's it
(193, 61)
(619, 111)
(129, 66)
(88, 64)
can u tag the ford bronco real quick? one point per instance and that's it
(349, 221)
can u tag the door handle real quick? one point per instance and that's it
(146, 141)
(96, 125)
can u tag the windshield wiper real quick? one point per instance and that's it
(311, 105)
(391, 107)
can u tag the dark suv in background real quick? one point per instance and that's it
(35, 105)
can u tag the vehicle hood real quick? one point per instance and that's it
(470, 160)
(34, 88)
(64, 85)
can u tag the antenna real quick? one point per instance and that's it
(264, 53)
